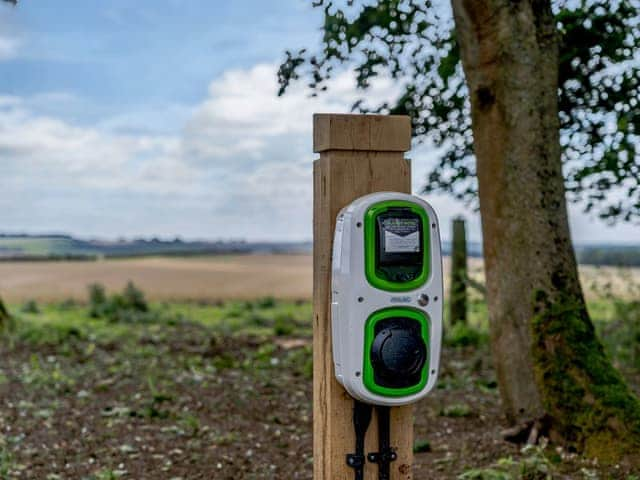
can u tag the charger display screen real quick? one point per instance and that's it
(399, 245)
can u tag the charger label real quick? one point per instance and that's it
(401, 235)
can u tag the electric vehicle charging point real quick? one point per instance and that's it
(386, 298)
(386, 310)
(358, 155)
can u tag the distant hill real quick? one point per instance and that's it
(36, 247)
(43, 247)
(624, 255)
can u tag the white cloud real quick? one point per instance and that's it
(240, 167)
(43, 153)
(8, 48)
(242, 114)
(262, 145)
(7, 101)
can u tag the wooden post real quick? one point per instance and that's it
(458, 297)
(359, 154)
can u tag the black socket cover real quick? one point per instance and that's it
(398, 353)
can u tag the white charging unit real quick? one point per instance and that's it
(386, 299)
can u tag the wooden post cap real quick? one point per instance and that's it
(382, 133)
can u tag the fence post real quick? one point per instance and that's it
(359, 154)
(458, 297)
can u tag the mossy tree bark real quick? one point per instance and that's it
(458, 297)
(550, 365)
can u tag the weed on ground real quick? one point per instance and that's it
(121, 388)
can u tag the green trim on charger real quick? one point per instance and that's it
(368, 377)
(370, 246)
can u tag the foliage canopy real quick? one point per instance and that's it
(414, 43)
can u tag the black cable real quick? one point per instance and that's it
(385, 454)
(361, 420)
(384, 426)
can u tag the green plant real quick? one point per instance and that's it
(283, 325)
(66, 305)
(133, 298)
(228, 438)
(589, 474)
(457, 410)
(486, 474)
(301, 360)
(97, 300)
(106, 474)
(191, 423)
(263, 357)
(621, 333)
(266, 302)
(48, 334)
(422, 446)
(30, 306)
(6, 464)
(464, 335)
(534, 465)
(129, 306)
(257, 319)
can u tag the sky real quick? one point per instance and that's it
(160, 118)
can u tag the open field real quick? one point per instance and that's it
(214, 380)
(214, 277)
(163, 278)
(194, 391)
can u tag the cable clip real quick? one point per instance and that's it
(384, 457)
(355, 461)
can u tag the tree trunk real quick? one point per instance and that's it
(549, 362)
(458, 297)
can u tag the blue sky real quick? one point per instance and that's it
(159, 118)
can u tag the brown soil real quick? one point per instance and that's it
(182, 403)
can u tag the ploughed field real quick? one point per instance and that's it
(213, 278)
(163, 278)
(117, 388)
